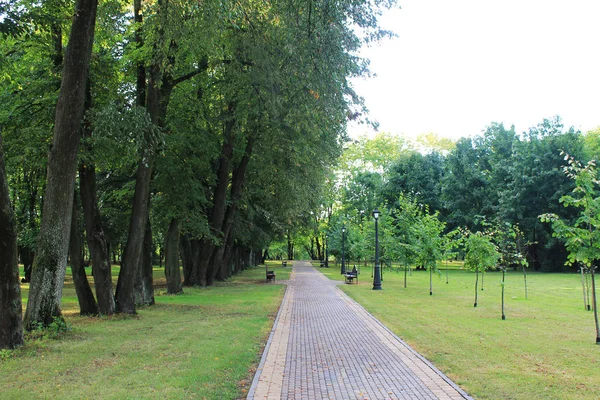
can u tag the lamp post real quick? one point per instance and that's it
(326, 251)
(343, 255)
(377, 275)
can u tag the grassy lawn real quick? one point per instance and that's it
(543, 350)
(202, 344)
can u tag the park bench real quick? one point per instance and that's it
(350, 276)
(270, 276)
(284, 264)
(322, 264)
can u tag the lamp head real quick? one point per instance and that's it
(376, 213)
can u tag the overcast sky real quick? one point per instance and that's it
(458, 65)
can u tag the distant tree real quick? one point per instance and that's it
(536, 183)
(465, 186)
(418, 176)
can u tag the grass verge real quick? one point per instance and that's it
(544, 350)
(202, 344)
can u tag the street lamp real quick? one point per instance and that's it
(326, 251)
(343, 255)
(377, 277)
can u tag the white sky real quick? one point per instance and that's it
(458, 65)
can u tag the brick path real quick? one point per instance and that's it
(326, 346)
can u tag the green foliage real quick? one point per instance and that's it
(6, 354)
(480, 252)
(55, 330)
(581, 237)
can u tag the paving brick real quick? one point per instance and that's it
(326, 346)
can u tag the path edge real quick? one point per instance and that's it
(413, 351)
(263, 358)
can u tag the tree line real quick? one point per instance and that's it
(497, 200)
(499, 176)
(202, 128)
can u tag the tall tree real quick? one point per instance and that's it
(51, 257)
(11, 328)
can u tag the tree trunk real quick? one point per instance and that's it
(11, 311)
(503, 276)
(227, 252)
(53, 240)
(595, 304)
(198, 274)
(132, 255)
(27, 256)
(87, 302)
(143, 287)
(140, 91)
(217, 213)
(187, 259)
(237, 183)
(172, 258)
(476, 282)
(96, 239)
(290, 246)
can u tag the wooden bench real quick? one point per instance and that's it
(270, 276)
(322, 264)
(284, 264)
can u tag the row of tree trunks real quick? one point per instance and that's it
(11, 328)
(50, 262)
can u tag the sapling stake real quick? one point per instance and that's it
(503, 273)
(476, 282)
(430, 281)
(585, 303)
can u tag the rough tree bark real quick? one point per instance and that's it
(85, 296)
(11, 311)
(187, 259)
(53, 240)
(172, 258)
(132, 255)
(143, 288)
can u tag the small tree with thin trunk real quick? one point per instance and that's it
(507, 238)
(480, 255)
(582, 237)
(429, 242)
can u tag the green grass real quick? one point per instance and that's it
(202, 344)
(544, 350)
